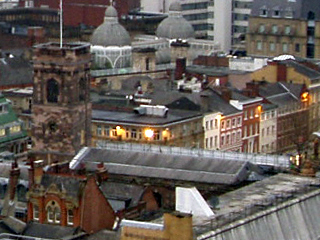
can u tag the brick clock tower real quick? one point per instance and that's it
(61, 103)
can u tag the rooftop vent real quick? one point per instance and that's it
(152, 110)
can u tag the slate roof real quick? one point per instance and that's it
(217, 104)
(73, 186)
(299, 8)
(281, 93)
(167, 166)
(15, 71)
(121, 117)
(47, 231)
(302, 69)
(122, 192)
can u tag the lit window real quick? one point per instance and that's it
(2, 132)
(15, 129)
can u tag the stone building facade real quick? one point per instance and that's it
(61, 110)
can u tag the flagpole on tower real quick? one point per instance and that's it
(61, 22)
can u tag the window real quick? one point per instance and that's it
(233, 122)
(215, 141)
(245, 115)
(35, 212)
(216, 123)
(259, 45)
(276, 13)
(15, 129)
(274, 29)
(99, 130)
(285, 47)
(52, 91)
(262, 28)
(222, 140)
(272, 46)
(53, 212)
(211, 142)
(133, 133)
(263, 12)
(239, 121)
(228, 123)
(287, 29)
(251, 113)
(207, 143)
(262, 132)
(297, 47)
(211, 124)
(222, 124)
(156, 135)
(239, 135)
(207, 125)
(106, 131)
(70, 217)
(2, 132)
(114, 132)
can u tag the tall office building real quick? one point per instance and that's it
(195, 11)
(228, 23)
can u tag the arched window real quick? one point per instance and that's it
(53, 212)
(52, 91)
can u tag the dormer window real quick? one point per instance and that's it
(263, 11)
(288, 12)
(276, 12)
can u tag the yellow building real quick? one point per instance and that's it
(176, 226)
(148, 124)
(287, 69)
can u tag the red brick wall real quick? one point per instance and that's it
(97, 212)
(88, 12)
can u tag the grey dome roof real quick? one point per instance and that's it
(111, 12)
(175, 26)
(175, 6)
(110, 32)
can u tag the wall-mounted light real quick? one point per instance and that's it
(148, 133)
